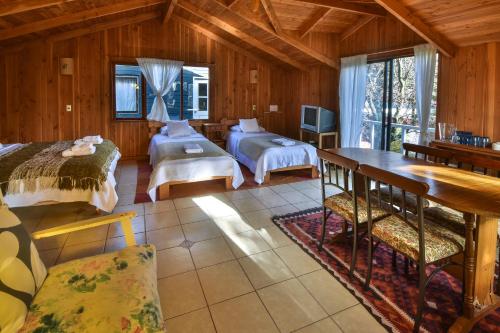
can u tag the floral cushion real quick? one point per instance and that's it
(342, 205)
(112, 292)
(446, 217)
(440, 242)
(397, 198)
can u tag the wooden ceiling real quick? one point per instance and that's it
(275, 29)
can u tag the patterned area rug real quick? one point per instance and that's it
(144, 171)
(392, 299)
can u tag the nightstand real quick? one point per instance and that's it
(216, 133)
(320, 137)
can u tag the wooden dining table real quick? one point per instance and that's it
(473, 194)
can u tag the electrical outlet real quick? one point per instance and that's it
(254, 107)
(68, 107)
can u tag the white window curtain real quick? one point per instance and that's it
(160, 75)
(425, 66)
(126, 94)
(352, 94)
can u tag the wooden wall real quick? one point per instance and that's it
(33, 94)
(469, 83)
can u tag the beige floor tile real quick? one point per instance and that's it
(247, 243)
(264, 269)
(174, 261)
(301, 185)
(81, 251)
(307, 205)
(115, 229)
(158, 206)
(224, 281)
(232, 224)
(128, 177)
(192, 214)
(282, 210)
(357, 319)
(274, 236)
(244, 314)
(166, 237)
(272, 200)
(180, 294)
(49, 257)
(328, 291)
(87, 235)
(282, 188)
(198, 321)
(294, 197)
(211, 252)
(314, 193)
(326, 325)
(199, 231)
(238, 195)
(291, 305)
(261, 191)
(297, 260)
(248, 205)
(126, 189)
(137, 208)
(181, 203)
(119, 243)
(259, 218)
(161, 220)
(125, 200)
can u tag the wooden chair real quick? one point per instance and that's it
(423, 243)
(427, 153)
(346, 204)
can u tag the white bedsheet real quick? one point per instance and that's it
(272, 158)
(105, 199)
(192, 169)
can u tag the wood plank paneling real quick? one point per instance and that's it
(34, 94)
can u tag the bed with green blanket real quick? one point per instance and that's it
(36, 173)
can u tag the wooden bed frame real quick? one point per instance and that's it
(164, 189)
(267, 177)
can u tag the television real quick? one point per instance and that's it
(318, 119)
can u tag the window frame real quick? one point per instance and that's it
(133, 62)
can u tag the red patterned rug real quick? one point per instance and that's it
(392, 298)
(144, 171)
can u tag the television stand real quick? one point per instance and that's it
(320, 137)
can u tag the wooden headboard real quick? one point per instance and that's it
(155, 126)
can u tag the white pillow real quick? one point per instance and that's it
(178, 128)
(237, 128)
(249, 125)
(164, 130)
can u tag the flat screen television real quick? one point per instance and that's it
(318, 119)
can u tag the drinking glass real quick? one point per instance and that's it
(442, 131)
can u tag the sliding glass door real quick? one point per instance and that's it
(390, 115)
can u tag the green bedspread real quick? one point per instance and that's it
(171, 151)
(254, 146)
(41, 165)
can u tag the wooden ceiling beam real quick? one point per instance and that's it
(11, 7)
(403, 14)
(271, 14)
(169, 11)
(71, 18)
(291, 41)
(220, 24)
(313, 21)
(358, 25)
(357, 8)
(232, 3)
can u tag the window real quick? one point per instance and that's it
(188, 98)
(390, 114)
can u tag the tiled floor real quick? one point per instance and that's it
(238, 273)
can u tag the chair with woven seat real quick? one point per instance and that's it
(425, 243)
(346, 204)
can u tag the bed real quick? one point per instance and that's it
(172, 166)
(37, 174)
(262, 156)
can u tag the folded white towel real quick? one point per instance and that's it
(284, 142)
(69, 152)
(193, 148)
(1, 145)
(95, 139)
(82, 146)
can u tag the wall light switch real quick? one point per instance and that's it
(254, 107)
(68, 107)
